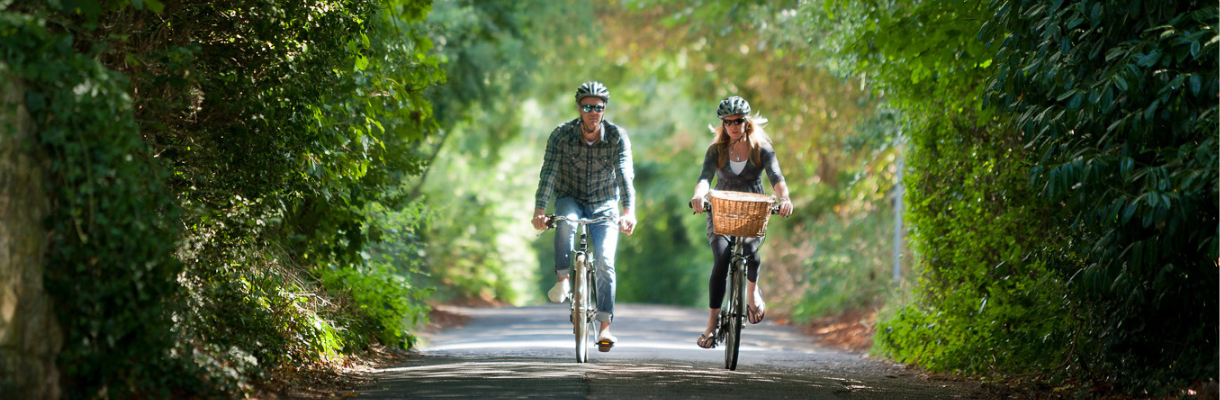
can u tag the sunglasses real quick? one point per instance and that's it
(733, 122)
(589, 107)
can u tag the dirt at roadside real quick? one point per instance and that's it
(851, 331)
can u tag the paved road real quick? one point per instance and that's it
(528, 352)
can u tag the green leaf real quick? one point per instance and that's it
(1196, 84)
(1149, 59)
(1129, 212)
(1066, 94)
(1176, 82)
(1076, 101)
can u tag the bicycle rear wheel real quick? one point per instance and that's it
(580, 308)
(732, 341)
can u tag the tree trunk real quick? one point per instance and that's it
(30, 339)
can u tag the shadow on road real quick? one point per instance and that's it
(528, 352)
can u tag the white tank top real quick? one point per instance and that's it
(736, 166)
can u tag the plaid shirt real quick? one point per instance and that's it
(588, 173)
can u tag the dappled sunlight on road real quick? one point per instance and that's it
(637, 327)
(528, 352)
(516, 377)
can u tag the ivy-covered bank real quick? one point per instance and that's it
(215, 170)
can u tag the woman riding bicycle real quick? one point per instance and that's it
(737, 157)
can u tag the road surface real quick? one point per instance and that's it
(529, 352)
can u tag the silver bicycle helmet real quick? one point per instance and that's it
(593, 88)
(733, 106)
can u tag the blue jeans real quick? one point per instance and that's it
(603, 240)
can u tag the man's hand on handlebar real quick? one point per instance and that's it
(626, 223)
(539, 219)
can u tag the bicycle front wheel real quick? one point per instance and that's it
(732, 341)
(580, 308)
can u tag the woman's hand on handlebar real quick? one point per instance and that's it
(697, 204)
(785, 207)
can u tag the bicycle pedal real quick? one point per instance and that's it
(604, 347)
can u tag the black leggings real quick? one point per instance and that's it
(722, 254)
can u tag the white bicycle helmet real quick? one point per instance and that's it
(593, 88)
(733, 106)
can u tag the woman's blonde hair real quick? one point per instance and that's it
(755, 135)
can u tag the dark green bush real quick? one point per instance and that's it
(1117, 102)
(1062, 182)
(209, 161)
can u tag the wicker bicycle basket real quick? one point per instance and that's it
(740, 214)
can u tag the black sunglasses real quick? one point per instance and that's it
(590, 107)
(732, 122)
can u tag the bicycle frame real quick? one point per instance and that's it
(732, 314)
(584, 288)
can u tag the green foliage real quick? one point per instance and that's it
(384, 305)
(845, 272)
(982, 306)
(665, 261)
(1118, 101)
(518, 69)
(974, 222)
(110, 266)
(233, 151)
(497, 56)
(838, 180)
(1060, 237)
(391, 289)
(279, 325)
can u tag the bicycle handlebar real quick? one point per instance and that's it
(551, 218)
(707, 206)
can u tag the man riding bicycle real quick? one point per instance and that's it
(588, 170)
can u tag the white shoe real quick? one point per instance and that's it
(559, 292)
(605, 337)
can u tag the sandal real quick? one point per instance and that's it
(706, 341)
(756, 314)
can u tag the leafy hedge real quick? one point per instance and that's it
(1117, 101)
(1062, 181)
(216, 169)
(985, 306)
